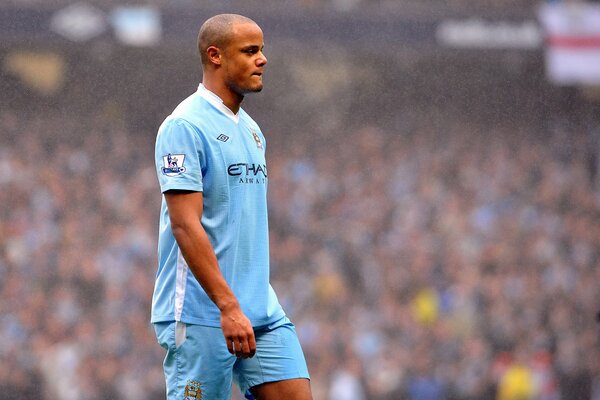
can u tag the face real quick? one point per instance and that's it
(243, 61)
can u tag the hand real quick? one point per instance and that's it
(238, 332)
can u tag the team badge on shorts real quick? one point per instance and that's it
(192, 390)
(173, 164)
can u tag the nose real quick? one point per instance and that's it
(261, 61)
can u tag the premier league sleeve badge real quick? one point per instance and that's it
(173, 164)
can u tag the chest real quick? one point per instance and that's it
(238, 156)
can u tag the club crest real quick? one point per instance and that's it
(173, 164)
(256, 139)
(192, 390)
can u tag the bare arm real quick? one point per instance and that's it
(185, 212)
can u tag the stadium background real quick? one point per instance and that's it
(434, 196)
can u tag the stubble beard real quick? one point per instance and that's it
(242, 91)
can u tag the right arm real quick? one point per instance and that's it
(185, 212)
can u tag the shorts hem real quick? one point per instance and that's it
(247, 386)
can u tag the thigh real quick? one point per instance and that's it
(291, 389)
(197, 364)
(279, 357)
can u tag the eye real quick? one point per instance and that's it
(251, 50)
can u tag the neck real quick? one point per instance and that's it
(232, 100)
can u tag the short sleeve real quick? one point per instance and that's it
(179, 155)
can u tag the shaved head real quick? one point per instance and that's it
(217, 31)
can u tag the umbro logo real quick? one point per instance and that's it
(223, 138)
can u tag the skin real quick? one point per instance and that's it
(236, 70)
(233, 64)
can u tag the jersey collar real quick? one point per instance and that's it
(217, 103)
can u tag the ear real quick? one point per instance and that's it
(214, 55)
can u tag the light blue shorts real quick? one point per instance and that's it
(199, 366)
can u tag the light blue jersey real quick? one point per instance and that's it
(202, 146)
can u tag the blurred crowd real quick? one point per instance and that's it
(445, 261)
(399, 7)
(448, 262)
(78, 233)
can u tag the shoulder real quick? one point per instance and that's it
(191, 107)
(174, 123)
(191, 115)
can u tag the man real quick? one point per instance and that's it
(213, 308)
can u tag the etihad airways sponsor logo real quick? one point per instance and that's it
(248, 173)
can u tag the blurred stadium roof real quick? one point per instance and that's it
(363, 23)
